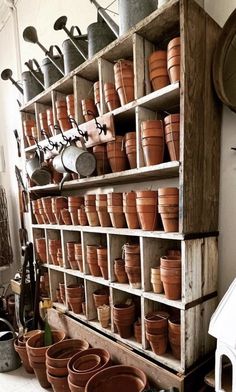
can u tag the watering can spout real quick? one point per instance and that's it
(109, 21)
(7, 75)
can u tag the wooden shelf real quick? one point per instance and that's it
(161, 171)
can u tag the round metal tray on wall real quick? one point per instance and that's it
(224, 64)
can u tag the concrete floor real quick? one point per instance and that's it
(20, 381)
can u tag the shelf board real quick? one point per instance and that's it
(155, 172)
(98, 279)
(162, 299)
(126, 287)
(112, 230)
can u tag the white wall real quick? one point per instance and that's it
(42, 15)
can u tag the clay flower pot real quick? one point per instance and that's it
(119, 271)
(75, 296)
(65, 216)
(43, 123)
(102, 261)
(116, 154)
(138, 331)
(89, 109)
(158, 69)
(130, 149)
(173, 54)
(123, 316)
(40, 244)
(53, 246)
(156, 280)
(111, 96)
(104, 315)
(130, 210)
(87, 363)
(156, 323)
(62, 115)
(101, 208)
(158, 343)
(92, 260)
(168, 201)
(172, 129)
(59, 384)
(117, 378)
(124, 80)
(152, 137)
(115, 209)
(171, 279)
(134, 276)
(146, 202)
(100, 153)
(90, 209)
(96, 90)
(70, 103)
(50, 120)
(82, 217)
(78, 256)
(22, 352)
(101, 297)
(174, 332)
(80, 378)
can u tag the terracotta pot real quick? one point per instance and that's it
(119, 270)
(21, 350)
(100, 153)
(123, 316)
(104, 315)
(170, 222)
(50, 120)
(87, 363)
(134, 276)
(147, 209)
(59, 384)
(156, 322)
(158, 343)
(171, 279)
(117, 218)
(102, 261)
(59, 354)
(66, 218)
(159, 78)
(70, 103)
(138, 331)
(159, 55)
(171, 262)
(111, 96)
(117, 378)
(92, 216)
(156, 280)
(88, 105)
(124, 81)
(116, 155)
(101, 297)
(172, 128)
(82, 217)
(96, 89)
(81, 378)
(174, 332)
(174, 59)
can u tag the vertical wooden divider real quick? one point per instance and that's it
(54, 111)
(106, 75)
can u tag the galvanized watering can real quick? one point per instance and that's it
(38, 174)
(9, 359)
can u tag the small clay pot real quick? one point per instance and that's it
(82, 217)
(101, 297)
(111, 96)
(123, 316)
(156, 322)
(174, 332)
(104, 315)
(100, 153)
(119, 270)
(138, 331)
(158, 343)
(156, 280)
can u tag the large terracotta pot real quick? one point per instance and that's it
(152, 141)
(101, 297)
(173, 54)
(158, 69)
(146, 202)
(172, 135)
(116, 154)
(124, 80)
(130, 210)
(101, 207)
(168, 201)
(123, 316)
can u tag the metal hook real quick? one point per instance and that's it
(44, 133)
(80, 132)
(40, 148)
(102, 128)
(65, 138)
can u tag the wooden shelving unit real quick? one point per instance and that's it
(196, 175)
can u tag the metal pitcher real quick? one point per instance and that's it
(31, 84)
(99, 36)
(9, 359)
(35, 70)
(38, 174)
(50, 71)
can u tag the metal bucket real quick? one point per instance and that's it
(72, 57)
(132, 11)
(9, 359)
(50, 72)
(99, 36)
(31, 86)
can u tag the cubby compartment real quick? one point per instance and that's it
(71, 241)
(126, 317)
(40, 249)
(97, 297)
(91, 242)
(54, 243)
(75, 295)
(57, 288)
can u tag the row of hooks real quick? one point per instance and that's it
(68, 140)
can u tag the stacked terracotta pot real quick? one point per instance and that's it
(90, 209)
(62, 115)
(58, 204)
(47, 206)
(100, 153)
(174, 332)
(74, 203)
(70, 104)
(70, 248)
(156, 280)
(111, 96)
(153, 142)
(40, 244)
(156, 327)
(102, 261)
(172, 130)
(84, 365)
(146, 202)
(130, 210)
(173, 58)
(42, 212)
(138, 331)
(158, 69)
(124, 316)
(75, 297)
(20, 347)
(82, 216)
(124, 80)
(104, 315)
(116, 154)
(119, 270)
(43, 123)
(89, 110)
(132, 264)
(65, 216)
(171, 276)
(53, 246)
(37, 354)
(168, 207)
(115, 209)
(96, 90)
(101, 297)
(130, 149)
(62, 292)
(50, 121)
(78, 256)
(57, 358)
(35, 211)
(101, 208)
(28, 126)
(92, 260)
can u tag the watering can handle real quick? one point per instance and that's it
(57, 48)
(35, 62)
(73, 28)
(9, 325)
